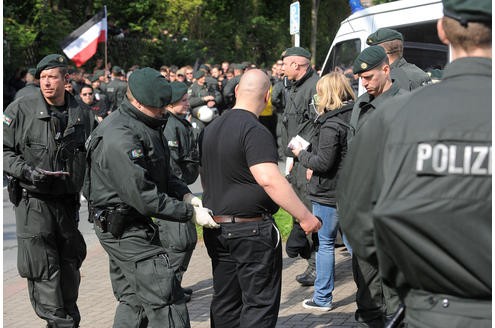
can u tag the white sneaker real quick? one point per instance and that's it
(310, 304)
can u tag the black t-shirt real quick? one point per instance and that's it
(229, 146)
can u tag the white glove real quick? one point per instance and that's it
(193, 200)
(203, 217)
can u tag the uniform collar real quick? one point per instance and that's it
(152, 122)
(468, 66)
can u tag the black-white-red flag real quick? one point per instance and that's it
(82, 44)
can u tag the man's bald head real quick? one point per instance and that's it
(252, 91)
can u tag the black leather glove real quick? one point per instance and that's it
(34, 176)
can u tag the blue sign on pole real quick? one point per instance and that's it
(294, 17)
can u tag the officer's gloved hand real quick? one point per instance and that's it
(193, 200)
(203, 217)
(34, 176)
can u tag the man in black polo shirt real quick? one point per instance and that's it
(243, 187)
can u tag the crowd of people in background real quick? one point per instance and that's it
(386, 157)
(210, 89)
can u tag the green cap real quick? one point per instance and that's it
(150, 88)
(368, 59)
(50, 61)
(296, 51)
(199, 74)
(179, 89)
(117, 70)
(32, 71)
(94, 78)
(99, 73)
(382, 35)
(466, 11)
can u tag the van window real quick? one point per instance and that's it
(342, 56)
(423, 47)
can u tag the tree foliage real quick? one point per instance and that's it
(159, 32)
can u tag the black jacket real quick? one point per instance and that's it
(130, 164)
(328, 150)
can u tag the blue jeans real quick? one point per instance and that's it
(325, 256)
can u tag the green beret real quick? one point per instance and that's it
(94, 78)
(368, 59)
(296, 51)
(382, 35)
(150, 88)
(179, 89)
(238, 66)
(435, 74)
(117, 70)
(50, 61)
(32, 71)
(99, 73)
(466, 11)
(199, 74)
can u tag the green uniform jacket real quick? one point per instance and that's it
(352, 198)
(184, 155)
(197, 92)
(29, 140)
(130, 163)
(298, 109)
(418, 175)
(116, 90)
(366, 104)
(408, 76)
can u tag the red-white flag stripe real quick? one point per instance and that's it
(85, 40)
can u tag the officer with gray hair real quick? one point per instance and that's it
(44, 156)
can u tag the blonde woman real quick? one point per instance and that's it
(328, 148)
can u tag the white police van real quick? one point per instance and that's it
(415, 19)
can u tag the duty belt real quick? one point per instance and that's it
(236, 219)
(116, 219)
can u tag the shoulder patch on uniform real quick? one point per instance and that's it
(173, 143)
(7, 120)
(136, 153)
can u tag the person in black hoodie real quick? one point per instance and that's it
(335, 99)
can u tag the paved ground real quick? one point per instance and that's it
(97, 304)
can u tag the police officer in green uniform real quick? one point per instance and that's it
(408, 76)
(44, 156)
(130, 181)
(298, 112)
(418, 178)
(202, 95)
(179, 238)
(376, 303)
(116, 88)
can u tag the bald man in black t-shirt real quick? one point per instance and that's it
(244, 188)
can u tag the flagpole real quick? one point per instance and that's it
(106, 41)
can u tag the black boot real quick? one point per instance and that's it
(307, 278)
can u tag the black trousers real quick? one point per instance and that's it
(247, 274)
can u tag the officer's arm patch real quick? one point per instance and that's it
(135, 153)
(173, 143)
(7, 120)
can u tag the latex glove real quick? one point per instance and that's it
(203, 217)
(193, 200)
(34, 176)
